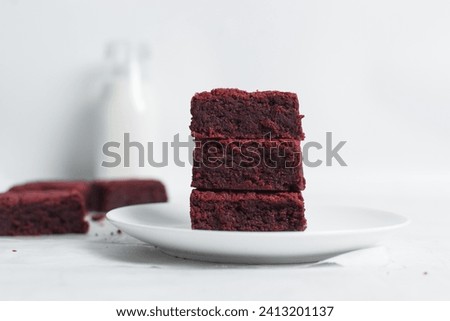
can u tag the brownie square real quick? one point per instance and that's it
(36, 213)
(118, 193)
(234, 113)
(254, 165)
(83, 187)
(247, 211)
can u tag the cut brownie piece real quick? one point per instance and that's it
(117, 193)
(234, 113)
(258, 165)
(247, 211)
(83, 187)
(35, 213)
(104, 195)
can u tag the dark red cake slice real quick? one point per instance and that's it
(234, 113)
(117, 193)
(254, 165)
(36, 213)
(247, 211)
(104, 195)
(83, 187)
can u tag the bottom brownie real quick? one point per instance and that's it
(247, 211)
(35, 213)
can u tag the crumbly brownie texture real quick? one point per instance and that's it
(258, 165)
(247, 211)
(83, 187)
(234, 113)
(36, 213)
(104, 195)
(113, 194)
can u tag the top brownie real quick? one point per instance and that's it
(83, 187)
(234, 113)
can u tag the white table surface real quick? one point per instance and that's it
(105, 265)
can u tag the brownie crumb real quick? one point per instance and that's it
(14, 251)
(98, 216)
(119, 232)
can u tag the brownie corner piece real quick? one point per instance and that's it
(42, 212)
(247, 211)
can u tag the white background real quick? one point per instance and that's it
(376, 74)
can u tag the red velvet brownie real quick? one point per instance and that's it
(234, 113)
(117, 193)
(258, 165)
(104, 195)
(36, 213)
(247, 211)
(83, 187)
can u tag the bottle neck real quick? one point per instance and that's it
(128, 62)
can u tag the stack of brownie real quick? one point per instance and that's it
(247, 167)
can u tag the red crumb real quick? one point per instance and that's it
(98, 216)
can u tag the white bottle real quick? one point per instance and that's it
(127, 109)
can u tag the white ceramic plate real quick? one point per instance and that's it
(331, 231)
